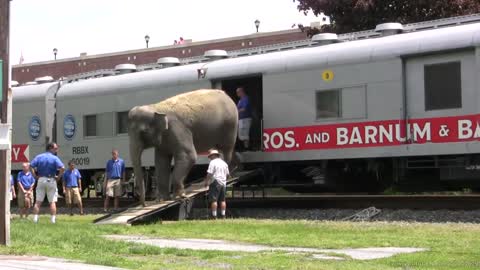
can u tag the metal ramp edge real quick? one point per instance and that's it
(138, 214)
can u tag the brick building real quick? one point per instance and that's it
(65, 67)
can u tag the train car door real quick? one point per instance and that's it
(440, 89)
(253, 86)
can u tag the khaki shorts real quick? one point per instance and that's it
(244, 129)
(114, 189)
(47, 187)
(22, 198)
(72, 194)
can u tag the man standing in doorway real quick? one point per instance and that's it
(72, 187)
(218, 171)
(115, 176)
(244, 116)
(46, 166)
(25, 190)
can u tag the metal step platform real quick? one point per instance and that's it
(176, 209)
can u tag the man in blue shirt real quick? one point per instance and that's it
(46, 166)
(72, 187)
(244, 117)
(114, 177)
(25, 181)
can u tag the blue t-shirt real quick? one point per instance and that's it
(115, 168)
(46, 164)
(244, 103)
(26, 179)
(71, 178)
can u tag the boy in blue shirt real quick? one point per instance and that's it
(12, 188)
(72, 187)
(114, 177)
(26, 182)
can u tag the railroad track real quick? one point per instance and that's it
(89, 203)
(419, 202)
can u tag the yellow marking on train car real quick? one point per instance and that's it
(328, 75)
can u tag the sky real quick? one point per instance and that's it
(103, 26)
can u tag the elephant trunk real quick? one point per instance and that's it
(136, 156)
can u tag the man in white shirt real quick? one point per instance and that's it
(217, 175)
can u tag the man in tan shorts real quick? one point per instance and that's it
(114, 177)
(44, 168)
(72, 187)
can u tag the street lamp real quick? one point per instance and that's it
(147, 39)
(55, 51)
(257, 24)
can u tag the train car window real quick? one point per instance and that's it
(90, 125)
(122, 122)
(100, 125)
(328, 104)
(443, 86)
(105, 124)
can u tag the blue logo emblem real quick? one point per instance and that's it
(69, 127)
(35, 128)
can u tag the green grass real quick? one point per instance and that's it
(451, 246)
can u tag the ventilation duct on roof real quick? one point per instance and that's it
(44, 79)
(388, 29)
(125, 68)
(14, 84)
(216, 54)
(325, 39)
(166, 62)
(30, 83)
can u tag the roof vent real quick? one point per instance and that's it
(30, 83)
(216, 54)
(388, 29)
(325, 38)
(165, 62)
(14, 84)
(125, 68)
(44, 79)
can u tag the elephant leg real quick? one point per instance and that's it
(183, 164)
(136, 157)
(162, 173)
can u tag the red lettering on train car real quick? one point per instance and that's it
(373, 134)
(20, 153)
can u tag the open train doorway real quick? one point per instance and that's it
(253, 87)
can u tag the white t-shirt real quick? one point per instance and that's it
(219, 169)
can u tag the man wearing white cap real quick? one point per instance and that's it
(218, 172)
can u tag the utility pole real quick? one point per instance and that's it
(4, 117)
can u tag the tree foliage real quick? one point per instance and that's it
(358, 15)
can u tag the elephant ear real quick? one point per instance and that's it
(160, 121)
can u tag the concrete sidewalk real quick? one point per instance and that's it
(371, 253)
(9, 262)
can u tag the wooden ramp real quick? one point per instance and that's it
(176, 209)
